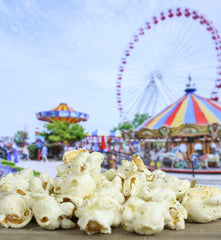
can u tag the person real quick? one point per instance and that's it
(25, 153)
(44, 153)
(15, 152)
(112, 161)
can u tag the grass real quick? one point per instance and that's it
(12, 165)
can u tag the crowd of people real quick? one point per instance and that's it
(13, 153)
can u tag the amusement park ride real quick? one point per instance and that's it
(153, 69)
(62, 113)
(161, 54)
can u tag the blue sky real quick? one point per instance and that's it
(69, 51)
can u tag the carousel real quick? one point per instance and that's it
(62, 113)
(192, 125)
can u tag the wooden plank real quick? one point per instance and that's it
(194, 231)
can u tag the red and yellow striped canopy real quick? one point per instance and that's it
(190, 109)
(62, 113)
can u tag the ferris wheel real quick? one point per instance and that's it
(155, 66)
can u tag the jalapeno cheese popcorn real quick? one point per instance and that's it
(14, 211)
(159, 178)
(99, 214)
(136, 186)
(144, 217)
(203, 204)
(177, 213)
(69, 156)
(16, 182)
(41, 185)
(49, 214)
(131, 196)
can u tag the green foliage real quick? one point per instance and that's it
(5, 162)
(125, 126)
(59, 131)
(13, 166)
(138, 120)
(19, 137)
(33, 151)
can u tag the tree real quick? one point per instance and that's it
(138, 120)
(65, 132)
(19, 137)
(123, 126)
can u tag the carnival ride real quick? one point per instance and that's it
(62, 113)
(154, 66)
(190, 121)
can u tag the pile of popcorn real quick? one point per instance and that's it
(80, 195)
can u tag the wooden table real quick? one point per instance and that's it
(193, 231)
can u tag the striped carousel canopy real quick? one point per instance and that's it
(190, 109)
(62, 113)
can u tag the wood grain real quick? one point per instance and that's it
(194, 231)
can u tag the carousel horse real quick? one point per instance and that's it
(173, 158)
(211, 160)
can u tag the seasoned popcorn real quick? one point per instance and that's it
(18, 181)
(14, 211)
(131, 196)
(126, 169)
(50, 214)
(177, 213)
(78, 185)
(159, 179)
(106, 188)
(144, 217)
(69, 156)
(140, 165)
(42, 184)
(203, 204)
(98, 215)
(136, 186)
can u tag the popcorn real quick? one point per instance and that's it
(139, 163)
(80, 165)
(110, 174)
(16, 182)
(78, 185)
(136, 186)
(95, 160)
(41, 185)
(159, 179)
(49, 214)
(144, 217)
(106, 188)
(98, 215)
(63, 170)
(14, 211)
(69, 156)
(58, 181)
(131, 196)
(47, 182)
(203, 204)
(177, 213)
(126, 169)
